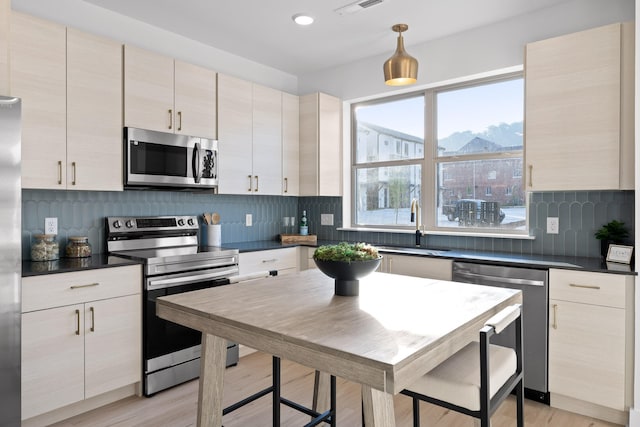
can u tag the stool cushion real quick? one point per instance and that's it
(457, 379)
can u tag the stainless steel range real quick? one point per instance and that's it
(173, 263)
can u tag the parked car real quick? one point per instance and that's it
(470, 211)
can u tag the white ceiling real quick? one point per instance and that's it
(263, 31)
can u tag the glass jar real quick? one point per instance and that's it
(44, 247)
(78, 247)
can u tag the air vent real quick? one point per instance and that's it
(357, 6)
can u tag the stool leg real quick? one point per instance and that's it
(520, 404)
(416, 412)
(276, 391)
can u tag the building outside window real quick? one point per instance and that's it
(458, 150)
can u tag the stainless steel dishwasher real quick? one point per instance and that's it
(534, 286)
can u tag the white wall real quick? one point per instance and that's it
(473, 52)
(94, 19)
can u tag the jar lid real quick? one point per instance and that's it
(78, 239)
(45, 236)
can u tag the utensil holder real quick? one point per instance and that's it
(212, 235)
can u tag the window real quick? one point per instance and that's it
(479, 137)
(385, 184)
(452, 148)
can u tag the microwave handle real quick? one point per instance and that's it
(195, 162)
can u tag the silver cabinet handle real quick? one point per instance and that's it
(84, 286)
(265, 261)
(179, 120)
(77, 322)
(286, 185)
(73, 173)
(530, 175)
(573, 285)
(256, 183)
(93, 319)
(554, 325)
(250, 182)
(59, 172)
(170, 119)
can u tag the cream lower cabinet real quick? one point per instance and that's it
(431, 268)
(284, 260)
(591, 343)
(579, 110)
(81, 336)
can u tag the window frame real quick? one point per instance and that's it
(429, 161)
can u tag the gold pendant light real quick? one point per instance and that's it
(402, 68)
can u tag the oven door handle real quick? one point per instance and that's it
(184, 280)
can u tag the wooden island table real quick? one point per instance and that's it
(396, 330)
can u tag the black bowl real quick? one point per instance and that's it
(346, 274)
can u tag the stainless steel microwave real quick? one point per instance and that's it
(158, 159)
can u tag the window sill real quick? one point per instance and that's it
(441, 233)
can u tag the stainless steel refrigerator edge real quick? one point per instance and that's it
(10, 260)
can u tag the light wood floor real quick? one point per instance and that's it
(177, 407)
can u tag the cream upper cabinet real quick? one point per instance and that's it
(591, 343)
(267, 140)
(5, 14)
(81, 336)
(168, 96)
(235, 135)
(195, 100)
(71, 86)
(38, 76)
(579, 110)
(290, 145)
(320, 145)
(250, 137)
(94, 112)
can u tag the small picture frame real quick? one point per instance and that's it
(620, 253)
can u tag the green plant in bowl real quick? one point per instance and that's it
(612, 232)
(347, 263)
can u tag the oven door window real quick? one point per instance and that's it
(158, 159)
(164, 337)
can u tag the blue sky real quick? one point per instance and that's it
(473, 109)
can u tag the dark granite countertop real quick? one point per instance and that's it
(498, 258)
(67, 265)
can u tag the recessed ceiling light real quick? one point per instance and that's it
(302, 19)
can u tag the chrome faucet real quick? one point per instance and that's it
(415, 216)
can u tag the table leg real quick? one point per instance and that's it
(378, 408)
(321, 392)
(212, 365)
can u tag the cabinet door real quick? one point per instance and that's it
(112, 344)
(573, 115)
(330, 146)
(94, 112)
(148, 90)
(587, 352)
(290, 145)
(235, 130)
(430, 268)
(267, 140)
(195, 100)
(52, 359)
(320, 145)
(38, 76)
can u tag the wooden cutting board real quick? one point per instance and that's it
(298, 238)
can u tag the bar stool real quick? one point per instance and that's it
(476, 379)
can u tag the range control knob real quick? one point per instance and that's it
(181, 222)
(117, 224)
(190, 221)
(129, 224)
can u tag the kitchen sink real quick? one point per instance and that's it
(414, 250)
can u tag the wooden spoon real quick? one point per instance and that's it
(207, 218)
(215, 218)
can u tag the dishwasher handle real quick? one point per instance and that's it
(498, 279)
